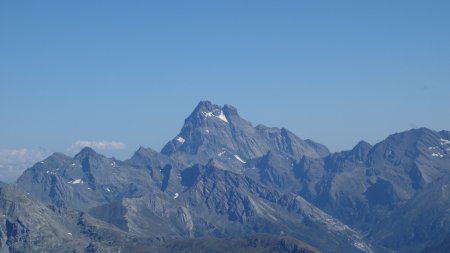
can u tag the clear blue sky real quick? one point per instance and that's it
(132, 71)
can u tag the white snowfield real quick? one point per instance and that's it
(76, 181)
(176, 195)
(437, 155)
(445, 142)
(239, 159)
(221, 116)
(180, 139)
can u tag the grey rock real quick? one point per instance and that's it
(27, 225)
(371, 187)
(90, 179)
(218, 132)
(223, 177)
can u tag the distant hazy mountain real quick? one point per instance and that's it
(13, 162)
(220, 177)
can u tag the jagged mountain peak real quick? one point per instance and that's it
(211, 129)
(361, 149)
(230, 110)
(55, 157)
(58, 155)
(151, 159)
(445, 133)
(420, 131)
(362, 145)
(143, 155)
(221, 175)
(86, 152)
(206, 112)
(413, 135)
(142, 151)
(206, 105)
(412, 143)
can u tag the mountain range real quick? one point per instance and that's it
(224, 185)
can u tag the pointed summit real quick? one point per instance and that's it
(361, 150)
(413, 143)
(142, 155)
(85, 152)
(212, 131)
(142, 151)
(230, 111)
(149, 157)
(207, 113)
(204, 104)
(362, 147)
(55, 157)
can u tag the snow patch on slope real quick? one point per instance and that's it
(76, 181)
(445, 142)
(239, 159)
(437, 155)
(221, 116)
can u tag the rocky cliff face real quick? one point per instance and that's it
(396, 182)
(26, 225)
(214, 201)
(90, 179)
(218, 132)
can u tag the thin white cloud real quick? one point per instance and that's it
(103, 145)
(14, 161)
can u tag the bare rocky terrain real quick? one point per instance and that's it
(223, 185)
